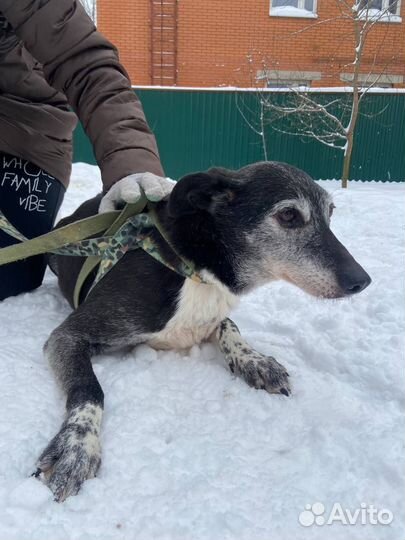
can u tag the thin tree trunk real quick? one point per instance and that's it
(350, 132)
(355, 103)
(347, 160)
(262, 133)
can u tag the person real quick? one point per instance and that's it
(55, 68)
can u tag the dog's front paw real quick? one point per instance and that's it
(260, 371)
(73, 455)
(265, 373)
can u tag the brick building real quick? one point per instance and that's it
(245, 43)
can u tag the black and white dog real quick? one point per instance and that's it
(241, 229)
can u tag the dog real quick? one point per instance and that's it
(241, 229)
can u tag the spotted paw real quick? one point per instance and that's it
(265, 373)
(73, 455)
(260, 371)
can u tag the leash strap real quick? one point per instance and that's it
(124, 230)
(93, 260)
(137, 232)
(186, 267)
(51, 242)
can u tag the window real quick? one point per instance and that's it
(288, 83)
(287, 79)
(385, 80)
(387, 7)
(293, 8)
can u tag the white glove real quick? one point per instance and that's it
(128, 190)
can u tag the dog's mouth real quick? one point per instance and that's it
(318, 289)
(330, 286)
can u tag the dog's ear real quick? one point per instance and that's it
(202, 191)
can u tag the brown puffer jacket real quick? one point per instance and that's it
(51, 56)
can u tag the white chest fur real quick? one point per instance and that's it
(201, 307)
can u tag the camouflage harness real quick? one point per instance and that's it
(132, 228)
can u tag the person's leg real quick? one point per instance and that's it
(30, 200)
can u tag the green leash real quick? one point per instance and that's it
(125, 230)
(57, 238)
(93, 260)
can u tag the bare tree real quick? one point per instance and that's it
(332, 121)
(249, 114)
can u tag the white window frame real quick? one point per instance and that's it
(386, 6)
(284, 79)
(388, 16)
(277, 11)
(287, 83)
(386, 80)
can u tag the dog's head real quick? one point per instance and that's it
(264, 222)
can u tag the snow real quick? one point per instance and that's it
(189, 451)
(291, 11)
(378, 15)
(314, 90)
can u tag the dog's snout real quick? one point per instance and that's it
(354, 280)
(351, 277)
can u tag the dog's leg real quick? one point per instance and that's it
(74, 454)
(260, 371)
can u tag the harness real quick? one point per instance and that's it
(121, 231)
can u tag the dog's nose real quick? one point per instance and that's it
(353, 282)
(351, 277)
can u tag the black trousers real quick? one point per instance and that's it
(30, 199)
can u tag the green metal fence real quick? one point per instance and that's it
(196, 129)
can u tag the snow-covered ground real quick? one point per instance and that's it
(192, 453)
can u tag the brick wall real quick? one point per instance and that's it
(226, 42)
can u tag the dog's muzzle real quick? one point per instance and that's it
(350, 276)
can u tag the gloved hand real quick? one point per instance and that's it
(128, 190)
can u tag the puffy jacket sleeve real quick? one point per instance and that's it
(84, 65)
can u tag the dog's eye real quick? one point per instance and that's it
(289, 217)
(331, 207)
